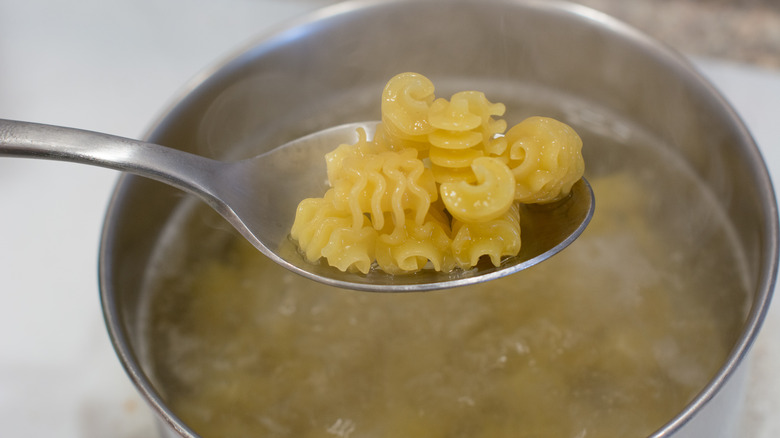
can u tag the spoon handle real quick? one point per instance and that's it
(180, 169)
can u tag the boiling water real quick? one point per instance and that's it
(610, 338)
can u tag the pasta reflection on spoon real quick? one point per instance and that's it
(247, 194)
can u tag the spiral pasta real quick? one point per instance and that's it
(438, 186)
(406, 101)
(546, 159)
(464, 131)
(412, 246)
(367, 178)
(495, 238)
(490, 197)
(324, 231)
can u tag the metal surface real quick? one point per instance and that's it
(292, 80)
(249, 195)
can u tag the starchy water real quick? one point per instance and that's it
(610, 338)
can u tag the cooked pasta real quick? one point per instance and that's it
(486, 200)
(545, 157)
(464, 131)
(406, 102)
(367, 178)
(322, 230)
(494, 238)
(438, 185)
(411, 247)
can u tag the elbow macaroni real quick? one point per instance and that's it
(437, 186)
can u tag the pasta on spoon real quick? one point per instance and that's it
(438, 186)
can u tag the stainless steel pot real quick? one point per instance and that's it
(316, 72)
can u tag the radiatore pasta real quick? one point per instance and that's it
(438, 186)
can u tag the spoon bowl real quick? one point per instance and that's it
(259, 196)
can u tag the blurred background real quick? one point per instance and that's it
(115, 66)
(745, 31)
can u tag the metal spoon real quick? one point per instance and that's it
(259, 196)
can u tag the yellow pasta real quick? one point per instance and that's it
(411, 247)
(465, 130)
(494, 238)
(323, 231)
(489, 127)
(438, 186)
(406, 100)
(486, 200)
(545, 157)
(367, 178)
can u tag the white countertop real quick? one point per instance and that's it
(113, 67)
